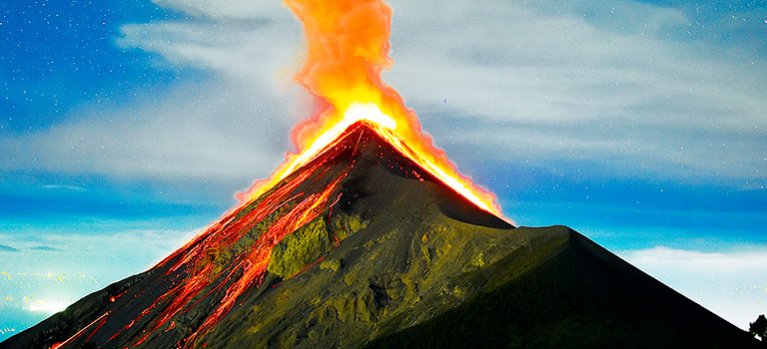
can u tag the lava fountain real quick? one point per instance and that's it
(347, 49)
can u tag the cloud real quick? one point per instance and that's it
(35, 287)
(6, 248)
(63, 187)
(598, 84)
(87, 254)
(45, 248)
(692, 261)
(616, 88)
(731, 284)
(231, 125)
(217, 133)
(225, 9)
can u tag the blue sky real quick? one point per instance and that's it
(125, 126)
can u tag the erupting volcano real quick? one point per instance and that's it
(368, 235)
(347, 48)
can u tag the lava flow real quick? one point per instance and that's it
(191, 291)
(347, 48)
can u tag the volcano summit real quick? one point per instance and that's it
(362, 247)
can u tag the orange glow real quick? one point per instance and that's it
(347, 48)
(211, 275)
(80, 332)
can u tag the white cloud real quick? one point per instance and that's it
(232, 125)
(212, 131)
(263, 50)
(88, 253)
(534, 82)
(731, 284)
(44, 281)
(225, 9)
(63, 187)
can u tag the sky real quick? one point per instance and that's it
(126, 126)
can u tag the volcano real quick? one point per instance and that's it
(362, 247)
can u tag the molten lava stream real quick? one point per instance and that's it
(250, 267)
(256, 262)
(218, 237)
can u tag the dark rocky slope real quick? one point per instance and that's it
(362, 247)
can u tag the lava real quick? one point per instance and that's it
(196, 287)
(101, 319)
(248, 268)
(347, 49)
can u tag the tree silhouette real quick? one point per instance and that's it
(759, 328)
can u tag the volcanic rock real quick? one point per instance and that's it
(363, 248)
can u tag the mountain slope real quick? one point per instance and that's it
(363, 247)
(568, 292)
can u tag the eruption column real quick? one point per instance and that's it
(347, 49)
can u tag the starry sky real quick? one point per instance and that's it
(125, 126)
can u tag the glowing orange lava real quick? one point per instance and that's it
(192, 290)
(347, 48)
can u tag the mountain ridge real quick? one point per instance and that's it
(363, 247)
